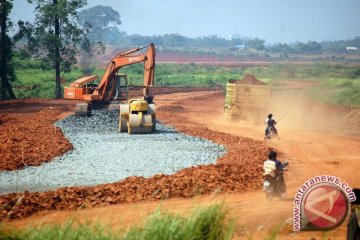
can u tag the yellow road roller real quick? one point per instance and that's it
(137, 117)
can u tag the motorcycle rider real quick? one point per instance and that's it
(270, 124)
(274, 168)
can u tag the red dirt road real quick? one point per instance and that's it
(306, 143)
(231, 173)
(308, 140)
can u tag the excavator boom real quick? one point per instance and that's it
(124, 59)
(106, 88)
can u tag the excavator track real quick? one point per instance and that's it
(99, 104)
(84, 109)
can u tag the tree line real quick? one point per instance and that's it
(179, 41)
(63, 28)
(54, 37)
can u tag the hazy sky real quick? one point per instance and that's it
(272, 20)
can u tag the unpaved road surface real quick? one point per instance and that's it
(306, 142)
(231, 173)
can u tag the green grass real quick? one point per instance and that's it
(337, 91)
(57, 232)
(338, 84)
(39, 83)
(204, 223)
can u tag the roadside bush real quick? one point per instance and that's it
(204, 223)
(355, 73)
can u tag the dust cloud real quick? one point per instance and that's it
(292, 109)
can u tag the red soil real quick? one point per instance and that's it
(31, 140)
(237, 171)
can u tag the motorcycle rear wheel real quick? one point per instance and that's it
(269, 196)
(283, 192)
(269, 193)
(283, 195)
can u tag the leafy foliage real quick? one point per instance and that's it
(7, 73)
(256, 43)
(55, 35)
(102, 20)
(116, 37)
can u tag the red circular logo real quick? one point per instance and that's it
(325, 206)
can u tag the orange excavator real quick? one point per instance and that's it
(136, 115)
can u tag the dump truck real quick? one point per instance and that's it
(246, 99)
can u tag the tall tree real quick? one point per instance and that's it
(256, 43)
(101, 19)
(56, 35)
(7, 73)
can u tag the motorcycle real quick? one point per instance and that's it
(275, 186)
(271, 133)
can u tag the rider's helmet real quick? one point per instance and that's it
(270, 116)
(272, 155)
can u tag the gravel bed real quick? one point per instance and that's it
(103, 155)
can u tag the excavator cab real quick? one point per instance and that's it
(122, 87)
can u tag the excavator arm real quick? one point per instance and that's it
(124, 59)
(136, 116)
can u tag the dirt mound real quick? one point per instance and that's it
(4, 118)
(186, 183)
(31, 140)
(248, 79)
(350, 123)
(237, 171)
